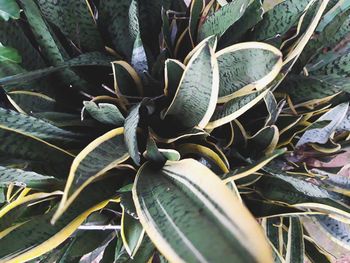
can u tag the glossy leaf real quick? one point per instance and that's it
(176, 232)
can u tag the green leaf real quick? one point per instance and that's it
(223, 19)
(131, 125)
(100, 156)
(121, 21)
(175, 204)
(280, 19)
(51, 159)
(302, 89)
(87, 59)
(196, 96)
(295, 245)
(234, 108)
(25, 178)
(246, 67)
(315, 253)
(75, 20)
(16, 246)
(105, 113)
(9, 54)
(196, 9)
(9, 9)
(31, 102)
(251, 16)
(37, 128)
(173, 72)
(132, 233)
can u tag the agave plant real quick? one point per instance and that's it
(156, 131)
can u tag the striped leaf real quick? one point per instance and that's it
(100, 156)
(173, 72)
(295, 245)
(246, 67)
(121, 21)
(337, 231)
(196, 96)
(25, 178)
(37, 128)
(280, 19)
(175, 204)
(234, 108)
(223, 19)
(38, 236)
(105, 113)
(50, 159)
(31, 102)
(75, 20)
(9, 9)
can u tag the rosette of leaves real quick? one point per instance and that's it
(147, 131)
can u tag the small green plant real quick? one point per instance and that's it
(153, 131)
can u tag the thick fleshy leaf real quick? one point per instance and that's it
(196, 9)
(295, 245)
(18, 247)
(105, 113)
(132, 233)
(75, 20)
(251, 16)
(50, 159)
(197, 94)
(34, 127)
(246, 67)
(31, 102)
(234, 108)
(121, 21)
(131, 124)
(24, 178)
(196, 199)
(9, 54)
(280, 19)
(126, 80)
(87, 59)
(9, 9)
(173, 72)
(302, 89)
(223, 19)
(100, 156)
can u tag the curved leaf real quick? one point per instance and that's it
(245, 67)
(223, 19)
(173, 72)
(105, 113)
(9, 9)
(196, 199)
(100, 156)
(234, 108)
(196, 96)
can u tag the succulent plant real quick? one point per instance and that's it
(156, 131)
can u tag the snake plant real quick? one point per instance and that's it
(171, 130)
